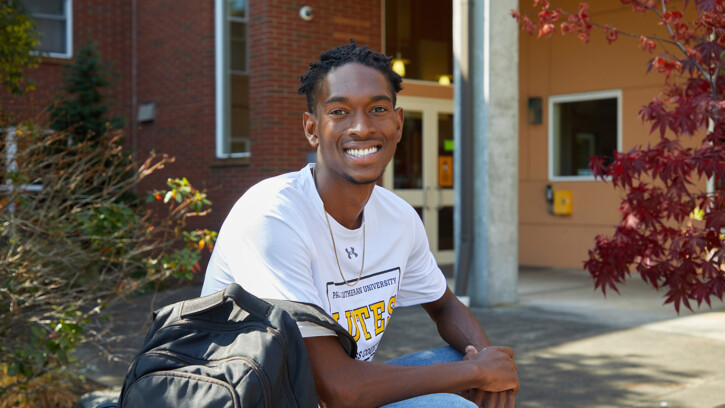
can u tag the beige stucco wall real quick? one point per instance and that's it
(565, 65)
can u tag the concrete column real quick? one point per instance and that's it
(486, 137)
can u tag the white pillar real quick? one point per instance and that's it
(486, 134)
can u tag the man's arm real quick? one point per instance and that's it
(345, 382)
(459, 328)
(456, 324)
(342, 381)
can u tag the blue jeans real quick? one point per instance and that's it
(440, 355)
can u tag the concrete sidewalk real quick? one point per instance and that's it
(574, 348)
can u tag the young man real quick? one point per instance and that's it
(329, 235)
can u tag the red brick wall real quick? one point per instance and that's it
(108, 23)
(175, 70)
(281, 47)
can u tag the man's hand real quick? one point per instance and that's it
(504, 399)
(344, 382)
(485, 399)
(490, 396)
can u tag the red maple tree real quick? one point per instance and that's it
(672, 230)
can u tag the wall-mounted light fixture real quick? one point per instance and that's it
(444, 80)
(146, 112)
(306, 13)
(535, 110)
(399, 64)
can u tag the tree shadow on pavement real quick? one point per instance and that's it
(548, 377)
(521, 328)
(582, 381)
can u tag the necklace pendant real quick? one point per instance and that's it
(349, 252)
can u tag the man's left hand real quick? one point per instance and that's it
(485, 399)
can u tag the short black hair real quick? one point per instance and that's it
(311, 81)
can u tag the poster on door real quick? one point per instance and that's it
(445, 171)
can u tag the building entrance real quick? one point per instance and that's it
(422, 170)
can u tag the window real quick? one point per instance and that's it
(55, 24)
(232, 72)
(581, 126)
(419, 35)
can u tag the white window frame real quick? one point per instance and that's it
(245, 21)
(11, 165)
(579, 97)
(222, 72)
(68, 9)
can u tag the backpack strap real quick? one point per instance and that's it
(299, 311)
(202, 304)
(308, 312)
(234, 291)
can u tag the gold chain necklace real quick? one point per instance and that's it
(334, 247)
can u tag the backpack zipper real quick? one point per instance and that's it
(228, 327)
(231, 327)
(171, 373)
(266, 388)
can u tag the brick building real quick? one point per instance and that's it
(214, 83)
(169, 61)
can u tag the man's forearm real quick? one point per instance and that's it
(456, 324)
(344, 382)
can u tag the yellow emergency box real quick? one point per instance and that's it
(562, 202)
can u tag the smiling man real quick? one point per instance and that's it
(329, 235)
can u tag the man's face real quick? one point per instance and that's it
(355, 127)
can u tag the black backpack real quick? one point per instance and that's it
(227, 349)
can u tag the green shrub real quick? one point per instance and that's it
(18, 36)
(70, 245)
(82, 108)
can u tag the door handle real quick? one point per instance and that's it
(431, 203)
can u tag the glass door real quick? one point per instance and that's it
(422, 170)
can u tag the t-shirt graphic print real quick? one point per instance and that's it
(364, 308)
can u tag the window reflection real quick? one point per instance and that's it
(445, 228)
(582, 129)
(408, 161)
(420, 33)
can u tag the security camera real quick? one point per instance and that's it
(306, 13)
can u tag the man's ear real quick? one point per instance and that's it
(399, 116)
(309, 123)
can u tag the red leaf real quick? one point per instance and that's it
(655, 112)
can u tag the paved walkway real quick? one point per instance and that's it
(574, 347)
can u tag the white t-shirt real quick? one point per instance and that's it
(276, 244)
